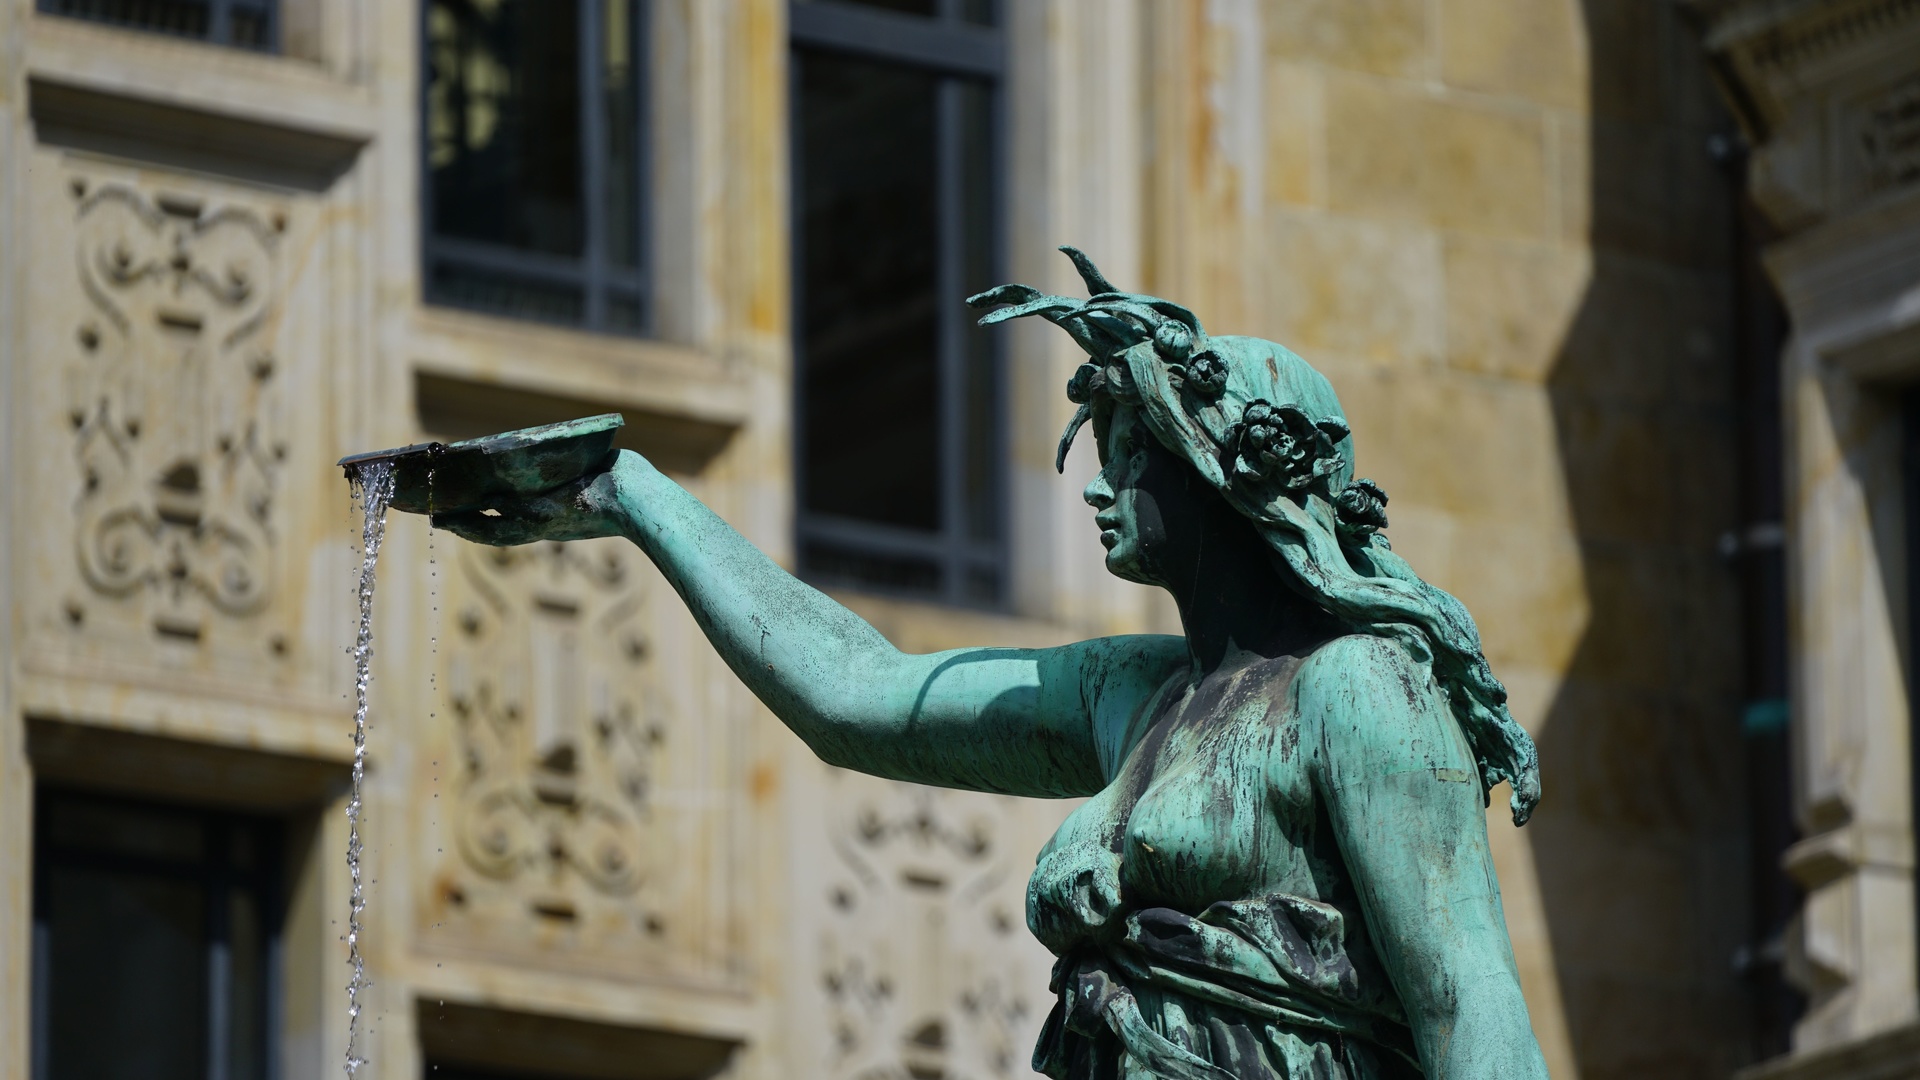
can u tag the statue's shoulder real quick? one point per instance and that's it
(1361, 674)
(1359, 652)
(1120, 678)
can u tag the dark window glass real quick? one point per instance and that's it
(153, 928)
(619, 89)
(503, 124)
(1910, 462)
(502, 291)
(904, 7)
(852, 562)
(979, 469)
(249, 24)
(869, 324)
(534, 118)
(897, 392)
(978, 12)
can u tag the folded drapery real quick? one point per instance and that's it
(1261, 989)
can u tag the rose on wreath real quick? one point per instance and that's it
(1362, 508)
(1087, 381)
(1280, 442)
(1206, 374)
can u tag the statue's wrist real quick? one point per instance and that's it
(634, 478)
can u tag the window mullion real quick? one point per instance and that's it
(219, 954)
(796, 258)
(999, 247)
(424, 146)
(273, 920)
(220, 21)
(640, 41)
(40, 1065)
(949, 279)
(593, 148)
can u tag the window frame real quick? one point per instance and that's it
(219, 24)
(954, 50)
(216, 878)
(591, 272)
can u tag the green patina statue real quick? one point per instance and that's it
(1282, 868)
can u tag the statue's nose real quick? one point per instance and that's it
(1098, 493)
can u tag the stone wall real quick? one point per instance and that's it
(1497, 229)
(1829, 95)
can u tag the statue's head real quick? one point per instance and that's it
(1256, 428)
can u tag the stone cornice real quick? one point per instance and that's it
(1790, 35)
(1828, 92)
(1769, 53)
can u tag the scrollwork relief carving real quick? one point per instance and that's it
(914, 957)
(559, 733)
(1890, 136)
(171, 400)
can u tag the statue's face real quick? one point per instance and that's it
(1149, 505)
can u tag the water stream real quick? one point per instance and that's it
(373, 490)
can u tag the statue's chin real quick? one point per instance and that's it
(1123, 563)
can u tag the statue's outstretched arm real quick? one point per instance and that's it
(1020, 721)
(1403, 794)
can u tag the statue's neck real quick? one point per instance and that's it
(1237, 608)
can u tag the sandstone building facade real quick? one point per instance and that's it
(242, 238)
(1829, 96)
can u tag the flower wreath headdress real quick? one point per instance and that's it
(1271, 448)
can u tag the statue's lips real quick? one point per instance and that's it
(473, 474)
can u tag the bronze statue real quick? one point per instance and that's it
(1282, 869)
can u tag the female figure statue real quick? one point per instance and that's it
(1282, 869)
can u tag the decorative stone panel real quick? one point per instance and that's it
(1887, 136)
(556, 776)
(923, 966)
(175, 507)
(171, 327)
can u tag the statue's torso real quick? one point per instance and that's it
(1225, 809)
(1211, 815)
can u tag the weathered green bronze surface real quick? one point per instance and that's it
(473, 474)
(1282, 866)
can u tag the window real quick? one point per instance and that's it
(896, 143)
(463, 1040)
(248, 24)
(155, 941)
(535, 144)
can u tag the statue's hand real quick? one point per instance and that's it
(580, 510)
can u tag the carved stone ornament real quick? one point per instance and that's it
(171, 402)
(1890, 136)
(557, 730)
(922, 914)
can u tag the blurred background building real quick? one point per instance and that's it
(1621, 297)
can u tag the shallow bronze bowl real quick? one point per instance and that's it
(474, 474)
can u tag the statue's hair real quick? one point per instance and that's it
(1267, 431)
